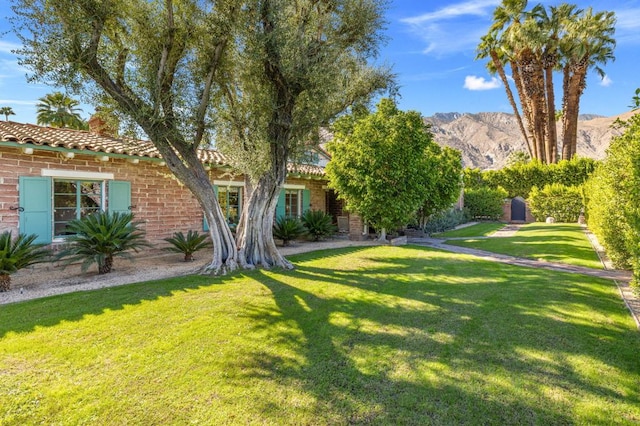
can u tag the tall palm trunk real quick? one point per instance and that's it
(552, 134)
(503, 76)
(575, 77)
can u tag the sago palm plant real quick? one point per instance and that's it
(100, 237)
(288, 228)
(318, 223)
(16, 254)
(188, 244)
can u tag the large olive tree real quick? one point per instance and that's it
(297, 66)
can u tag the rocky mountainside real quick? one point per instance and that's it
(487, 139)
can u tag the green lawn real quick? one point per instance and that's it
(557, 242)
(480, 229)
(381, 335)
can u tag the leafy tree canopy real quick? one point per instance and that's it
(382, 164)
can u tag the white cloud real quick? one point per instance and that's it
(452, 28)
(7, 47)
(477, 8)
(473, 82)
(17, 102)
(627, 26)
(606, 81)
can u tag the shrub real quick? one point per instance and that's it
(16, 254)
(99, 237)
(445, 220)
(613, 199)
(561, 202)
(318, 224)
(520, 178)
(484, 203)
(189, 244)
(288, 228)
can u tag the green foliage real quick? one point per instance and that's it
(188, 244)
(613, 199)
(383, 164)
(444, 220)
(473, 178)
(6, 111)
(318, 224)
(484, 203)
(444, 183)
(99, 237)
(563, 203)
(59, 110)
(520, 178)
(16, 254)
(287, 229)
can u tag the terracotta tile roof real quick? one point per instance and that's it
(30, 134)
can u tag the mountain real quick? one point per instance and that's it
(487, 139)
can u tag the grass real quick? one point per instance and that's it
(481, 229)
(563, 243)
(382, 335)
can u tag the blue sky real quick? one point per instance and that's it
(431, 46)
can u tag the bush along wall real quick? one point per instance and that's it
(613, 199)
(519, 179)
(484, 203)
(563, 203)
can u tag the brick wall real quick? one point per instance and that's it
(162, 203)
(317, 188)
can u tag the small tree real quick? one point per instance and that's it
(381, 164)
(16, 254)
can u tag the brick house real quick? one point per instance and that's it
(49, 176)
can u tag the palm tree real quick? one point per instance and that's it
(488, 47)
(59, 110)
(7, 111)
(588, 43)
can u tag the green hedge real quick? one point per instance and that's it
(613, 199)
(484, 203)
(519, 179)
(561, 202)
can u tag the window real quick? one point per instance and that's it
(230, 199)
(74, 199)
(292, 202)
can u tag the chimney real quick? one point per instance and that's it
(100, 127)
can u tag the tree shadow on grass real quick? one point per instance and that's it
(395, 350)
(49, 311)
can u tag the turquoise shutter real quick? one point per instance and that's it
(119, 196)
(280, 207)
(36, 216)
(205, 224)
(306, 200)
